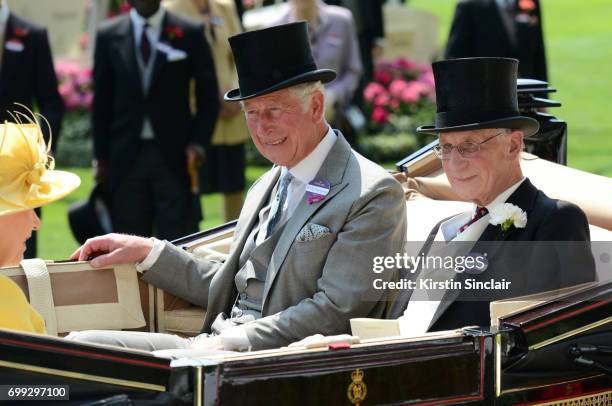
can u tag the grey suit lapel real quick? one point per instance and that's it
(401, 300)
(333, 170)
(453, 249)
(257, 198)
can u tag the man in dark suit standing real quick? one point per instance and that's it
(27, 76)
(522, 236)
(504, 28)
(145, 135)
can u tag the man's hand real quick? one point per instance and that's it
(114, 249)
(195, 155)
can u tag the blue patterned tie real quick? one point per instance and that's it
(276, 211)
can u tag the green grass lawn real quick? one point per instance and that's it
(56, 240)
(577, 36)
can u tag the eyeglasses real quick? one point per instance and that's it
(466, 149)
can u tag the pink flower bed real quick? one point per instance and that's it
(75, 85)
(400, 87)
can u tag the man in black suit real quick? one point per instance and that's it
(504, 28)
(145, 135)
(27, 76)
(521, 236)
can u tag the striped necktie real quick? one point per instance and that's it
(276, 211)
(480, 213)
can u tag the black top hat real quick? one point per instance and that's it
(272, 59)
(475, 93)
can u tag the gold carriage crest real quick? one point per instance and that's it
(357, 390)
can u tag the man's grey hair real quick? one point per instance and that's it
(302, 92)
(507, 132)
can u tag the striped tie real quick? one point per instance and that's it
(480, 212)
(276, 211)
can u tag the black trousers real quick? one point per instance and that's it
(151, 199)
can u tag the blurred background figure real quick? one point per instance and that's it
(145, 136)
(504, 28)
(370, 26)
(239, 9)
(334, 44)
(224, 167)
(27, 77)
(27, 181)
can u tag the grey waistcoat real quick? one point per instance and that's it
(146, 72)
(251, 277)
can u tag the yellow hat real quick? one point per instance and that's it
(27, 178)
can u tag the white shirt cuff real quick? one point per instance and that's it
(235, 339)
(151, 259)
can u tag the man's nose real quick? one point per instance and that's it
(264, 122)
(455, 160)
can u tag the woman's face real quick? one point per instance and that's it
(15, 229)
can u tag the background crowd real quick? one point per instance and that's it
(150, 100)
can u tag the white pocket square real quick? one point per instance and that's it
(172, 54)
(176, 55)
(13, 46)
(311, 232)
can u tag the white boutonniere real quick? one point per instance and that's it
(508, 215)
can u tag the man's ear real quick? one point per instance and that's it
(317, 106)
(516, 143)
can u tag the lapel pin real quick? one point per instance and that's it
(317, 189)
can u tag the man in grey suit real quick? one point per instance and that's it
(303, 249)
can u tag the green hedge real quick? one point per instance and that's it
(75, 142)
(387, 147)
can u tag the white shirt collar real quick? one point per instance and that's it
(503, 196)
(448, 229)
(4, 14)
(155, 21)
(307, 168)
(303, 173)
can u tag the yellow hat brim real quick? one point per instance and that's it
(60, 184)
